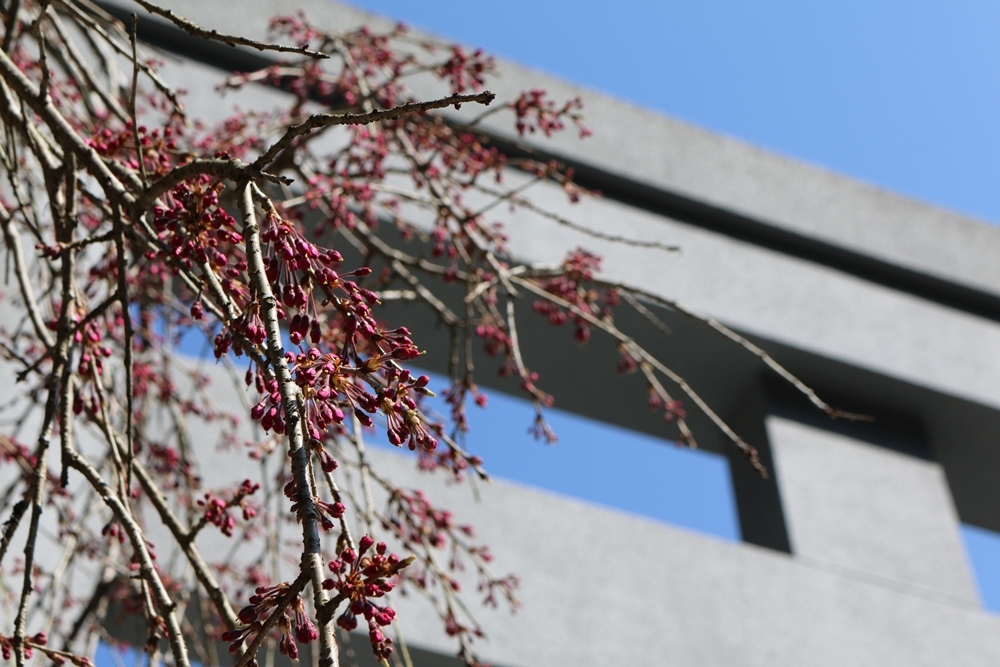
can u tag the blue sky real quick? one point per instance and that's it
(903, 95)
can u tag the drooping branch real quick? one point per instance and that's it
(753, 349)
(12, 238)
(166, 606)
(749, 452)
(65, 134)
(184, 538)
(291, 402)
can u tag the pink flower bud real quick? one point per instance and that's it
(306, 632)
(347, 621)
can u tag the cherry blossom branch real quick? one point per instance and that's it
(156, 251)
(749, 452)
(193, 28)
(322, 120)
(289, 596)
(64, 132)
(753, 349)
(185, 539)
(147, 569)
(312, 557)
(12, 240)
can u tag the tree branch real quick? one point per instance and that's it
(312, 557)
(147, 569)
(193, 28)
(321, 120)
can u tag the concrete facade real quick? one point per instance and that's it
(887, 306)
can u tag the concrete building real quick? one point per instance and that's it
(886, 306)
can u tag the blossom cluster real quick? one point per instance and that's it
(579, 267)
(217, 510)
(197, 230)
(294, 624)
(537, 112)
(360, 576)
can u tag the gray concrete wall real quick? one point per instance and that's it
(602, 587)
(857, 508)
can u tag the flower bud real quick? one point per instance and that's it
(347, 621)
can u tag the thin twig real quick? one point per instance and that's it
(132, 95)
(13, 242)
(231, 40)
(10, 27)
(639, 352)
(714, 324)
